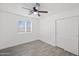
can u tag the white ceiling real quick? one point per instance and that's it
(52, 8)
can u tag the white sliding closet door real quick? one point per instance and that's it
(67, 34)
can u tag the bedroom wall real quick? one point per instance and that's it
(47, 30)
(8, 30)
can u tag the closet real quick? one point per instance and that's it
(67, 34)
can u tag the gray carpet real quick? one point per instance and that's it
(34, 48)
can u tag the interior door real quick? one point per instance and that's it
(67, 34)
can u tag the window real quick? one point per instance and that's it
(24, 26)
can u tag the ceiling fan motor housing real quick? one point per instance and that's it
(35, 9)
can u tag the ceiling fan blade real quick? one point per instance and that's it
(38, 14)
(31, 12)
(37, 4)
(26, 8)
(43, 11)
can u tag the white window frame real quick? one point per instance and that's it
(25, 27)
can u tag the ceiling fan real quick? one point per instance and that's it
(35, 10)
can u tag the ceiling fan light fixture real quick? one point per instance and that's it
(35, 13)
